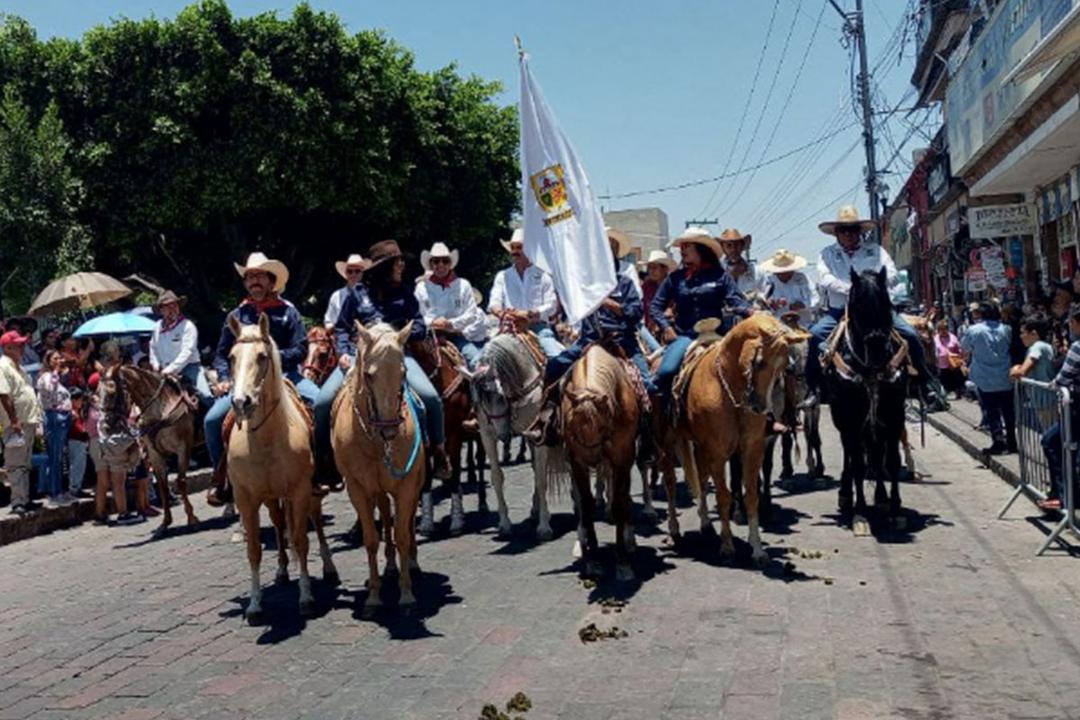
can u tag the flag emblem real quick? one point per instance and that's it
(550, 192)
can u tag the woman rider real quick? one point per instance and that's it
(382, 296)
(699, 289)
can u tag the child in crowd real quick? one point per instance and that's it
(78, 440)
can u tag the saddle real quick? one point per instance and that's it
(707, 336)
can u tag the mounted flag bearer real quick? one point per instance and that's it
(835, 265)
(526, 288)
(698, 290)
(447, 302)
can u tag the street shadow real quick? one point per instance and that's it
(1046, 523)
(803, 484)
(779, 519)
(523, 534)
(281, 619)
(181, 530)
(647, 562)
(705, 548)
(912, 522)
(433, 592)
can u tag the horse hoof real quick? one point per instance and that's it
(160, 532)
(331, 578)
(593, 569)
(650, 515)
(193, 521)
(860, 527)
(282, 577)
(761, 558)
(237, 537)
(229, 513)
(307, 608)
(254, 617)
(576, 552)
(727, 552)
(506, 531)
(369, 611)
(544, 533)
(624, 573)
(426, 528)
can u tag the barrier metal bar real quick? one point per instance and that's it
(1039, 407)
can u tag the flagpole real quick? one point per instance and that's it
(517, 42)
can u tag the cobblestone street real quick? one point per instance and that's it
(954, 618)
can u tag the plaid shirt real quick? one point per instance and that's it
(1069, 375)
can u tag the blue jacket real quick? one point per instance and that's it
(707, 294)
(286, 327)
(604, 322)
(395, 307)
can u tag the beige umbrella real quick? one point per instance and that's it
(79, 291)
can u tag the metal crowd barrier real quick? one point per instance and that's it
(1040, 406)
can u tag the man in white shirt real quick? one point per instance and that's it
(526, 288)
(787, 290)
(447, 302)
(352, 269)
(747, 275)
(174, 346)
(834, 268)
(20, 418)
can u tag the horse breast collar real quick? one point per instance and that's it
(833, 356)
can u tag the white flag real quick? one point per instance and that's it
(564, 228)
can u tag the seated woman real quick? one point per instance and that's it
(699, 289)
(383, 297)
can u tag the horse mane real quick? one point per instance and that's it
(508, 359)
(601, 376)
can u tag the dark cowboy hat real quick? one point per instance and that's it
(169, 297)
(382, 251)
(22, 321)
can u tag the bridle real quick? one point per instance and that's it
(260, 380)
(458, 380)
(373, 424)
(169, 417)
(748, 378)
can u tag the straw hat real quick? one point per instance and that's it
(783, 261)
(661, 257)
(699, 236)
(258, 261)
(438, 250)
(621, 239)
(733, 235)
(382, 251)
(169, 297)
(847, 216)
(518, 236)
(354, 260)
(478, 296)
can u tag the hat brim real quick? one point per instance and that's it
(622, 240)
(372, 264)
(274, 267)
(180, 300)
(508, 244)
(798, 264)
(668, 262)
(425, 259)
(708, 241)
(829, 228)
(341, 266)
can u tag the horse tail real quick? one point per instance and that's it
(690, 470)
(556, 472)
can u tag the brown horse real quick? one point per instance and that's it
(379, 450)
(600, 423)
(322, 355)
(725, 414)
(440, 359)
(166, 428)
(271, 462)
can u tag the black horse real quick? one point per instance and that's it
(867, 382)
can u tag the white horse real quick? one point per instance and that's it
(507, 387)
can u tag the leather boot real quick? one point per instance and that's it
(542, 429)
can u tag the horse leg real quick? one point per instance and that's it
(892, 467)
(724, 501)
(387, 520)
(491, 448)
(298, 509)
(751, 449)
(160, 468)
(738, 492)
(453, 485)
(521, 455)
(586, 544)
(427, 508)
(277, 519)
(364, 502)
(329, 570)
(540, 472)
(505, 452)
(696, 482)
(481, 489)
(249, 516)
(647, 492)
(405, 503)
(767, 460)
(787, 442)
(624, 527)
(667, 466)
(600, 491)
(859, 524)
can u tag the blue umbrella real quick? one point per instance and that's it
(117, 323)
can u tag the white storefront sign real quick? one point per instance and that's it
(993, 221)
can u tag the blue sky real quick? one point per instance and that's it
(652, 93)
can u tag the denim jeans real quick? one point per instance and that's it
(215, 417)
(1001, 415)
(548, 343)
(1051, 444)
(651, 343)
(57, 424)
(670, 362)
(76, 464)
(469, 350)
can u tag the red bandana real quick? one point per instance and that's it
(271, 302)
(446, 281)
(166, 326)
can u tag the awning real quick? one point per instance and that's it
(1059, 43)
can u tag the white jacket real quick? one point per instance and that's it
(782, 295)
(751, 281)
(835, 265)
(455, 303)
(173, 350)
(534, 291)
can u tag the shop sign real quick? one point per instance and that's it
(993, 264)
(938, 179)
(976, 280)
(994, 221)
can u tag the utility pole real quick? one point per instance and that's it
(854, 27)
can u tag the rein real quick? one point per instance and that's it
(372, 423)
(458, 380)
(169, 417)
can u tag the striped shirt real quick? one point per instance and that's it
(1069, 375)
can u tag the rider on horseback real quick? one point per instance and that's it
(525, 289)
(787, 290)
(447, 302)
(352, 269)
(174, 345)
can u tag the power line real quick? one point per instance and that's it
(816, 213)
(716, 178)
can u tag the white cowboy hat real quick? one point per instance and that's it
(258, 261)
(622, 240)
(354, 260)
(783, 261)
(699, 236)
(438, 250)
(518, 236)
(846, 217)
(660, 257)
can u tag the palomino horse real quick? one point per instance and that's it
(322, 356)
(507, 388)
(599, 426)
(270, 460)
(440, 359)
(379, 450)
(726, 414)
(166, 428)
(865, 367)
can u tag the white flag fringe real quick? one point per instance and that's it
(564, 228)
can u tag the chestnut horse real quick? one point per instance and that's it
(322, 355)
(379, 451)
(726, 413)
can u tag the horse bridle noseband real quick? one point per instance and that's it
(260, 380)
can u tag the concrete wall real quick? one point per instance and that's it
(647, 228)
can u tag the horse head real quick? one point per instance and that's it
(869, 317)
(489, 398)
(255, 364)
(764, 352)
(380, 364)
(114, 394)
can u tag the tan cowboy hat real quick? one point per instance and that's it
(438, 250)
(847, 216)
(733, 235)
(381, 252)
(622, 240)
(660, 257)
(258, 261)
(354, 260)
(783, 261)
(168, 296)
(518, 236)
(699, 236)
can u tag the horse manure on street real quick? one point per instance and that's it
(591, 633)
(609, 605)
(588, 583)
(519, 703)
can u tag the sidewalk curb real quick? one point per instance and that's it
(47, 519)
(955, 429)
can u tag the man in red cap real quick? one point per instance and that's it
(20, 418)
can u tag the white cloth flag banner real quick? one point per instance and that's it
(564, 228)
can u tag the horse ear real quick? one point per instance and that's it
(883, 278)
(363, 337)
(264, 325)
(403, 334)
(854, 276)
(234, 325)
(794, 337)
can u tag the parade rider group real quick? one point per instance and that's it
(715, 279)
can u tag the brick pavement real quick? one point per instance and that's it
(952, 619)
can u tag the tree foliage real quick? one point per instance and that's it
(201, 138)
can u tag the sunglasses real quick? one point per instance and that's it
(440, 261)
(354, 271)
